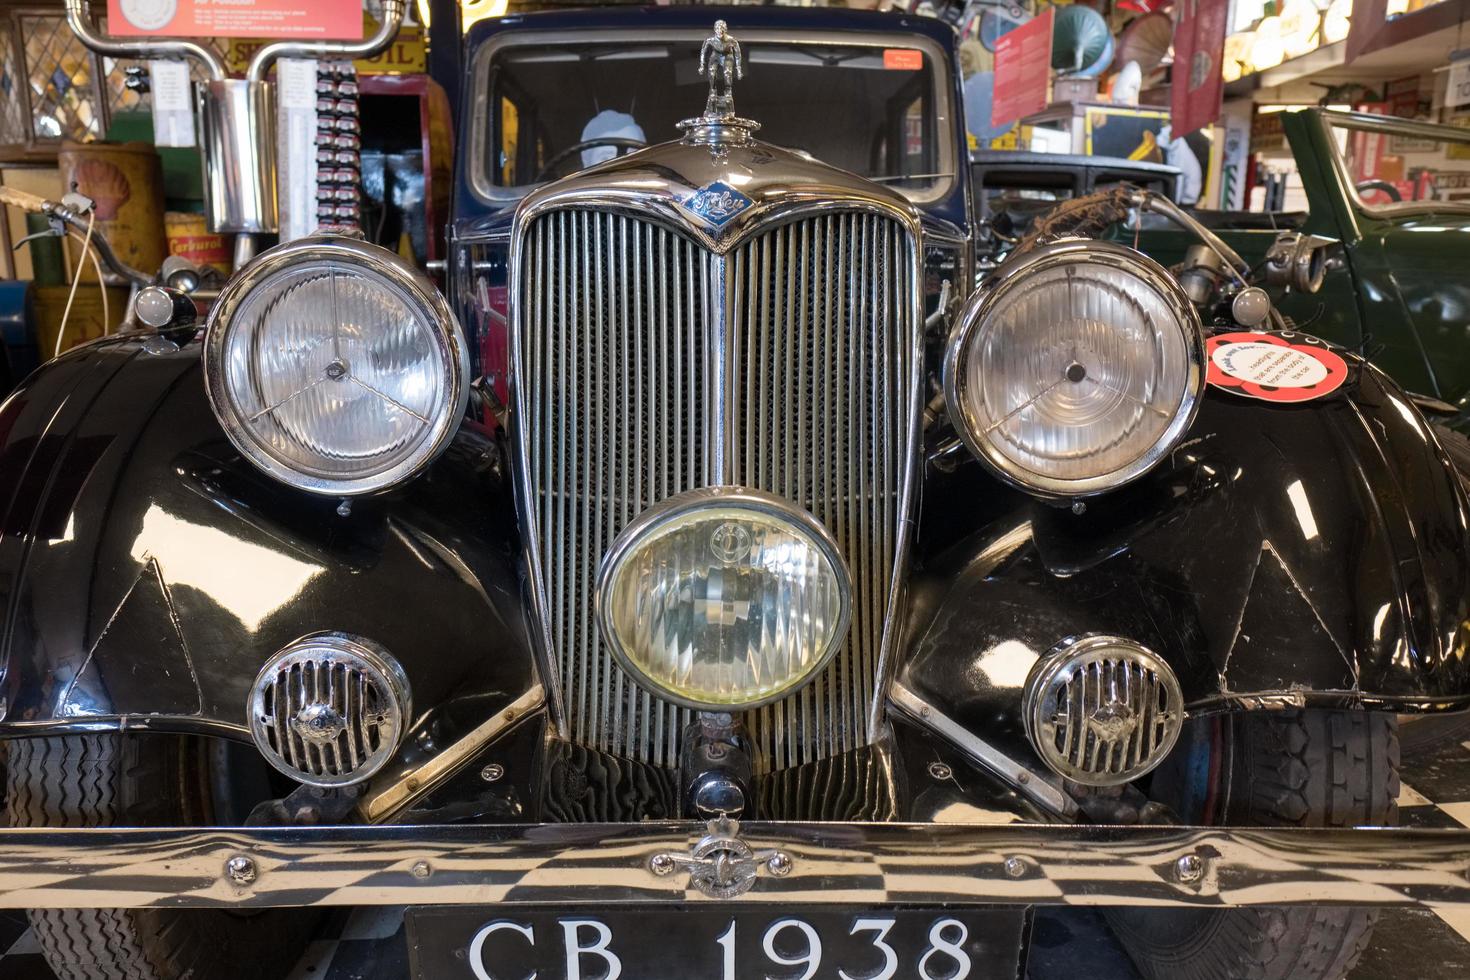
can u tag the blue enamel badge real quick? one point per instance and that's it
(717, 203)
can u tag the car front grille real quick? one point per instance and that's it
(648, 365)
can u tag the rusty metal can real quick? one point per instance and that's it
(125, 181)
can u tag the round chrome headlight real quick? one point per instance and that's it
(723, 598)
(1076, 369)
(335, 366)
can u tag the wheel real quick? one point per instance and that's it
(142, 780)
(1273, 768)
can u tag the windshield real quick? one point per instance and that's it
(1395, 167)
(868, 108)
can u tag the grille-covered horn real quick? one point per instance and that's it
(329, 709)
(1102, 710)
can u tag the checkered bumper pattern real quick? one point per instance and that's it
(830, 863)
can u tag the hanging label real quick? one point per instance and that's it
(1274, 367)
(296, 146)
(173, 104)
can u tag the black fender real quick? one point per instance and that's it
(148, 571)
(1315, 553)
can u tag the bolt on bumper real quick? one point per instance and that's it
(820, 864)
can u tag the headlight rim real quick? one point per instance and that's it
(376, 262)
(1061, 252)
(704, 498)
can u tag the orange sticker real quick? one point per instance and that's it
(903, 59)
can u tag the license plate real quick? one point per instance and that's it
(719, 943)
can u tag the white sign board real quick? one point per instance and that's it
(1457, 93)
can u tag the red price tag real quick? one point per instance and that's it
(903, 59)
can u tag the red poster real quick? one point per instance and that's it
(1199, 46)
(1369, 17)
(319, 19)
(1022, 70)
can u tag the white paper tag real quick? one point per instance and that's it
(296, 83)
(296, 123)
(173, 104)
(1270, 364)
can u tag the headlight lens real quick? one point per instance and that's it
(724, 598)
(335, 367)
(1077, 369)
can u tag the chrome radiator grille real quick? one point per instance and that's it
(649, 366)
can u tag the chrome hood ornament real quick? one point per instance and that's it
(719, 59)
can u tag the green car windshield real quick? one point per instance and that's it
(1393, 167)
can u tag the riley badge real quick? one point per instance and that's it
(716, 203)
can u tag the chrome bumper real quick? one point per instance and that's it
(799, 864)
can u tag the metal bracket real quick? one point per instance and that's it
(722, 865)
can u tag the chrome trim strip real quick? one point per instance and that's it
(382, 801)
(870, 864)
(1036, 786)
(1368, 122)
(718, 437)
(950, 159)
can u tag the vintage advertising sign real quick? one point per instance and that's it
(320, 19)
(1274, 367)
(1199, 46)
(1457, 89)
(404, 56)
(1022, 70)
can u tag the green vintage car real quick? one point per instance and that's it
(1369, 263)
(1396, 287)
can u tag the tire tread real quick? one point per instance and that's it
(1302, 768)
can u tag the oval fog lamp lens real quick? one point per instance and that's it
(724, 598)
(335, 367)
(1080, 368)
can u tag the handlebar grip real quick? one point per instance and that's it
(22, 199)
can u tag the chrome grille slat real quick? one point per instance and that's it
(651, 366)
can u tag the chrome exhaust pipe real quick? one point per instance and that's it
(393, 11)
(237, 140)
(79, 19)
(236, 117)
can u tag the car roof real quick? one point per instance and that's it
(636, 18)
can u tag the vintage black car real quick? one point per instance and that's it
(718, 583)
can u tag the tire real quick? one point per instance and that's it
(1287, 768)
(139, 780)
(1424, 733)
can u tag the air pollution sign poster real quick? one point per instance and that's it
(317, 20)
(1022, 71)
(1199, 45)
